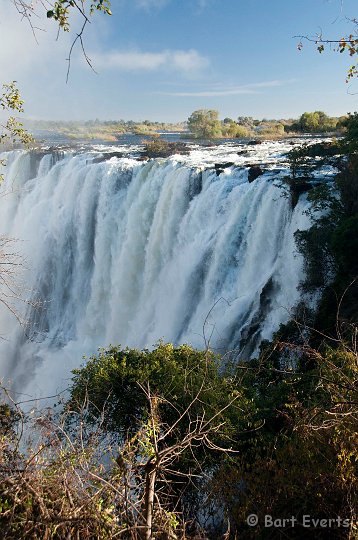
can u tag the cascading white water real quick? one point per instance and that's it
(127, 252)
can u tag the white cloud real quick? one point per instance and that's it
(229, 91)
(212, 93)
(152, 4)
(148, 4)
(189, 61)
(269, 84)
(202, 4)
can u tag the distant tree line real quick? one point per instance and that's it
(205, 124)
(109, 130)
(201, 124)
(317, 122)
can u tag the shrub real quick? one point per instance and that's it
(161, 148)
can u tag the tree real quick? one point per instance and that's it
(314, 122)
(309, 121)
(205, 124)
(114, 378)
(350, 123)
(186, 407)
(161, 417)
(13, 130)
(246, 121)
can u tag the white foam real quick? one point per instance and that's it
(128, 252)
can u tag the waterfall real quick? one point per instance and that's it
(127, 252)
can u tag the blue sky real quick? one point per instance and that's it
(162, 59)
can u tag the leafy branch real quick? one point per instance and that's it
(60, 11)
(346, 44)
(13, 130)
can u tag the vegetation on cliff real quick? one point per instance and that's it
(201, 124)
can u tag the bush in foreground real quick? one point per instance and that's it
(171, 443)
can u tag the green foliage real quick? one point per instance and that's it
(161, 148)
(351, 135)
(303, 161)
(233, 130)
(315, 245)
(177, 413)
(303, 459)
(308, 158)
(8, 419)
(205, 124)
(10, 99)
(61, 10)
(114, 379)
(272, 129)
(247, 121)
(293, 423)
(13, 130)
(315, 122)
(241, 131)
(326, 211)
(345, 245)
(144, 129)
(328, 246)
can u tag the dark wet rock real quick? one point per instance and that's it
(208, 144)
(298, 187)
(254, 172)
(301, 186)
(224, 165)
(242, 152)
(254, 142)
(107, 156)
(218, 171)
